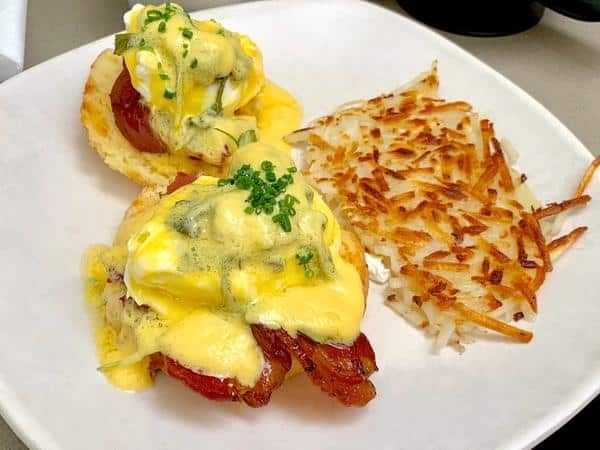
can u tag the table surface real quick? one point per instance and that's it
(557, 62)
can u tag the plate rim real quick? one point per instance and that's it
(32, 432)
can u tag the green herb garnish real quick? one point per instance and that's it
(185, 53)
(267, 192)
(303, 258)
(284, 221)
(247, 137)
(194, 63)
(125, 41)
(164, 76)
(169, 11)
(152, 16)
(169, 94)
(217, 106)
(162, 27)
(187, 33)
(155, 15)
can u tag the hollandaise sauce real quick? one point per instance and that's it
(205, 85)
(213, 257)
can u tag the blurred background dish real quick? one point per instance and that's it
(477, 18)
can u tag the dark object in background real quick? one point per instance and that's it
(494, 18)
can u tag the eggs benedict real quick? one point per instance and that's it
(231, 284)
(180, 95)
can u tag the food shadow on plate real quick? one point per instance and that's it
(106, 179)
(297, 399)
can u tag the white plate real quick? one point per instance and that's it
(57, 197)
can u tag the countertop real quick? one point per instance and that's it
(557, 62)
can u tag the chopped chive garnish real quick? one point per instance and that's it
(162, 27)
(159, 65)
(155, 15)
(169, 11)
(304, 258)
(125, 41)
(142, 42)
(266, 192)
(247, 137)
(152, 16)
(187, 33)
(164, 76)
(292, 169)
(221, 32)
(194, 63)
(217, 106)
(284, 221)
(185, 53)
(168, 94)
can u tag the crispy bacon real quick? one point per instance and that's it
(210, 387)
(341, 371)
(277, 364)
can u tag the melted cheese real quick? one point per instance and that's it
(202, 307)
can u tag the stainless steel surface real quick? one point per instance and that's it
(558, 62)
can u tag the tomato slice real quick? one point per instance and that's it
(132, 117)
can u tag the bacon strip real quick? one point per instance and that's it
(340, 371)
(277, 364)
(212, 388)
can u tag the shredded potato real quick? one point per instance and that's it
(427, 187)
